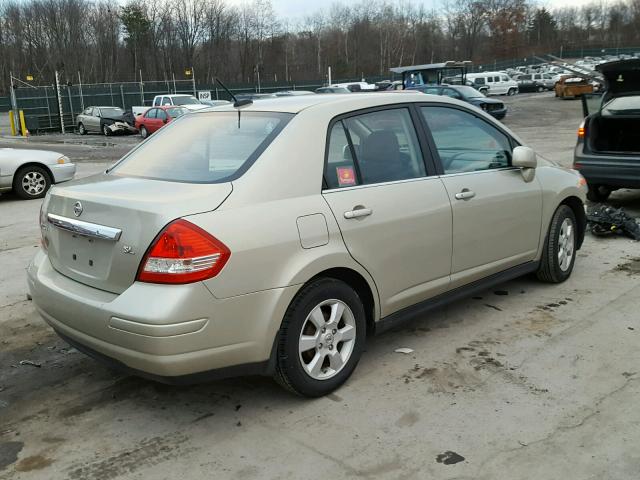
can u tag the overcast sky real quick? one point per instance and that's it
(299, 8)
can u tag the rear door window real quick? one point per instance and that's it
(466, 143)
(161, 114)
(384, 143)
(208, 147)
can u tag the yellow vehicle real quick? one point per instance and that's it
(572, 86)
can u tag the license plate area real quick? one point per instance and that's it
(87, 256)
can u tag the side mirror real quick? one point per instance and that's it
(525, 159)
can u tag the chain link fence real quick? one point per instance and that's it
(41, 104)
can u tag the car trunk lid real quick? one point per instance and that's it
(621, 78)
(99, 228)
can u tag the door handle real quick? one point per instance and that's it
(358, 212)
(465, 194)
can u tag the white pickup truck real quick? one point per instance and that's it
(187, 101)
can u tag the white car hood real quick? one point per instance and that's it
(44, 156)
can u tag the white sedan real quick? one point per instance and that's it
(30, 173)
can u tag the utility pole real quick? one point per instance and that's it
(80, 88)
(329, 75)
(193, 81)
(258, 74)
(141, 89)
(58, 94)
(14, 105)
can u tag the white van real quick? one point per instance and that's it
(493, 83)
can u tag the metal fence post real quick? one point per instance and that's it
(80, 88)
(46, 94)
(122, 96)
(70, 103)
(141, 89)
(59, 102)
(14, 103)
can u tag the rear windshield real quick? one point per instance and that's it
(176, 112)
(211, 147)
(629, 105)
(185, 101)
(111, 112)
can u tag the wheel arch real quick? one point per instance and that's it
(35, 164)
(362, 287)
(576, 205)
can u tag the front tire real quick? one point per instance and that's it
(144, 133)
(105, 130)
(321, 339)
(598, 193)
(559, 253)
(511, 92)
(540, 89)
(81, 129)
(31, 182)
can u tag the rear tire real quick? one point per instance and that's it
(511, 92)
(559, 252)
(540, 89)
(31, 182)
(598, 193)
(144, 133)
(321, 340)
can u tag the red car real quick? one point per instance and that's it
(157, 117)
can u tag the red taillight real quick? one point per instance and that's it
(183, 253)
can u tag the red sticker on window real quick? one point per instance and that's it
(346, 176)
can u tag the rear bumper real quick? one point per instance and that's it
(613, 171)
(172, 333)
(63, 172)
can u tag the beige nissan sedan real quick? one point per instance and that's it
(274, 237)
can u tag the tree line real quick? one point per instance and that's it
(108, 42)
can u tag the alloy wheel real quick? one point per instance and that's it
(327, 339)
(566, 244)
(34, 183)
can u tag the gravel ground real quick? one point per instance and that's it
(524, 381)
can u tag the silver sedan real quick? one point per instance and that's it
(30, 173)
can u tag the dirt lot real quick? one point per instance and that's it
(522, 382)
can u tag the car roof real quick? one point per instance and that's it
(342, 102)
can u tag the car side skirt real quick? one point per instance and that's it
(409, 313)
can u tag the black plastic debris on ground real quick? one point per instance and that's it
(604, 220)
(449, 458)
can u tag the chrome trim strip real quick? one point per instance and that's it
(430, 177)
(85, 229)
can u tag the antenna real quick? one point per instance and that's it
(236, 103)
